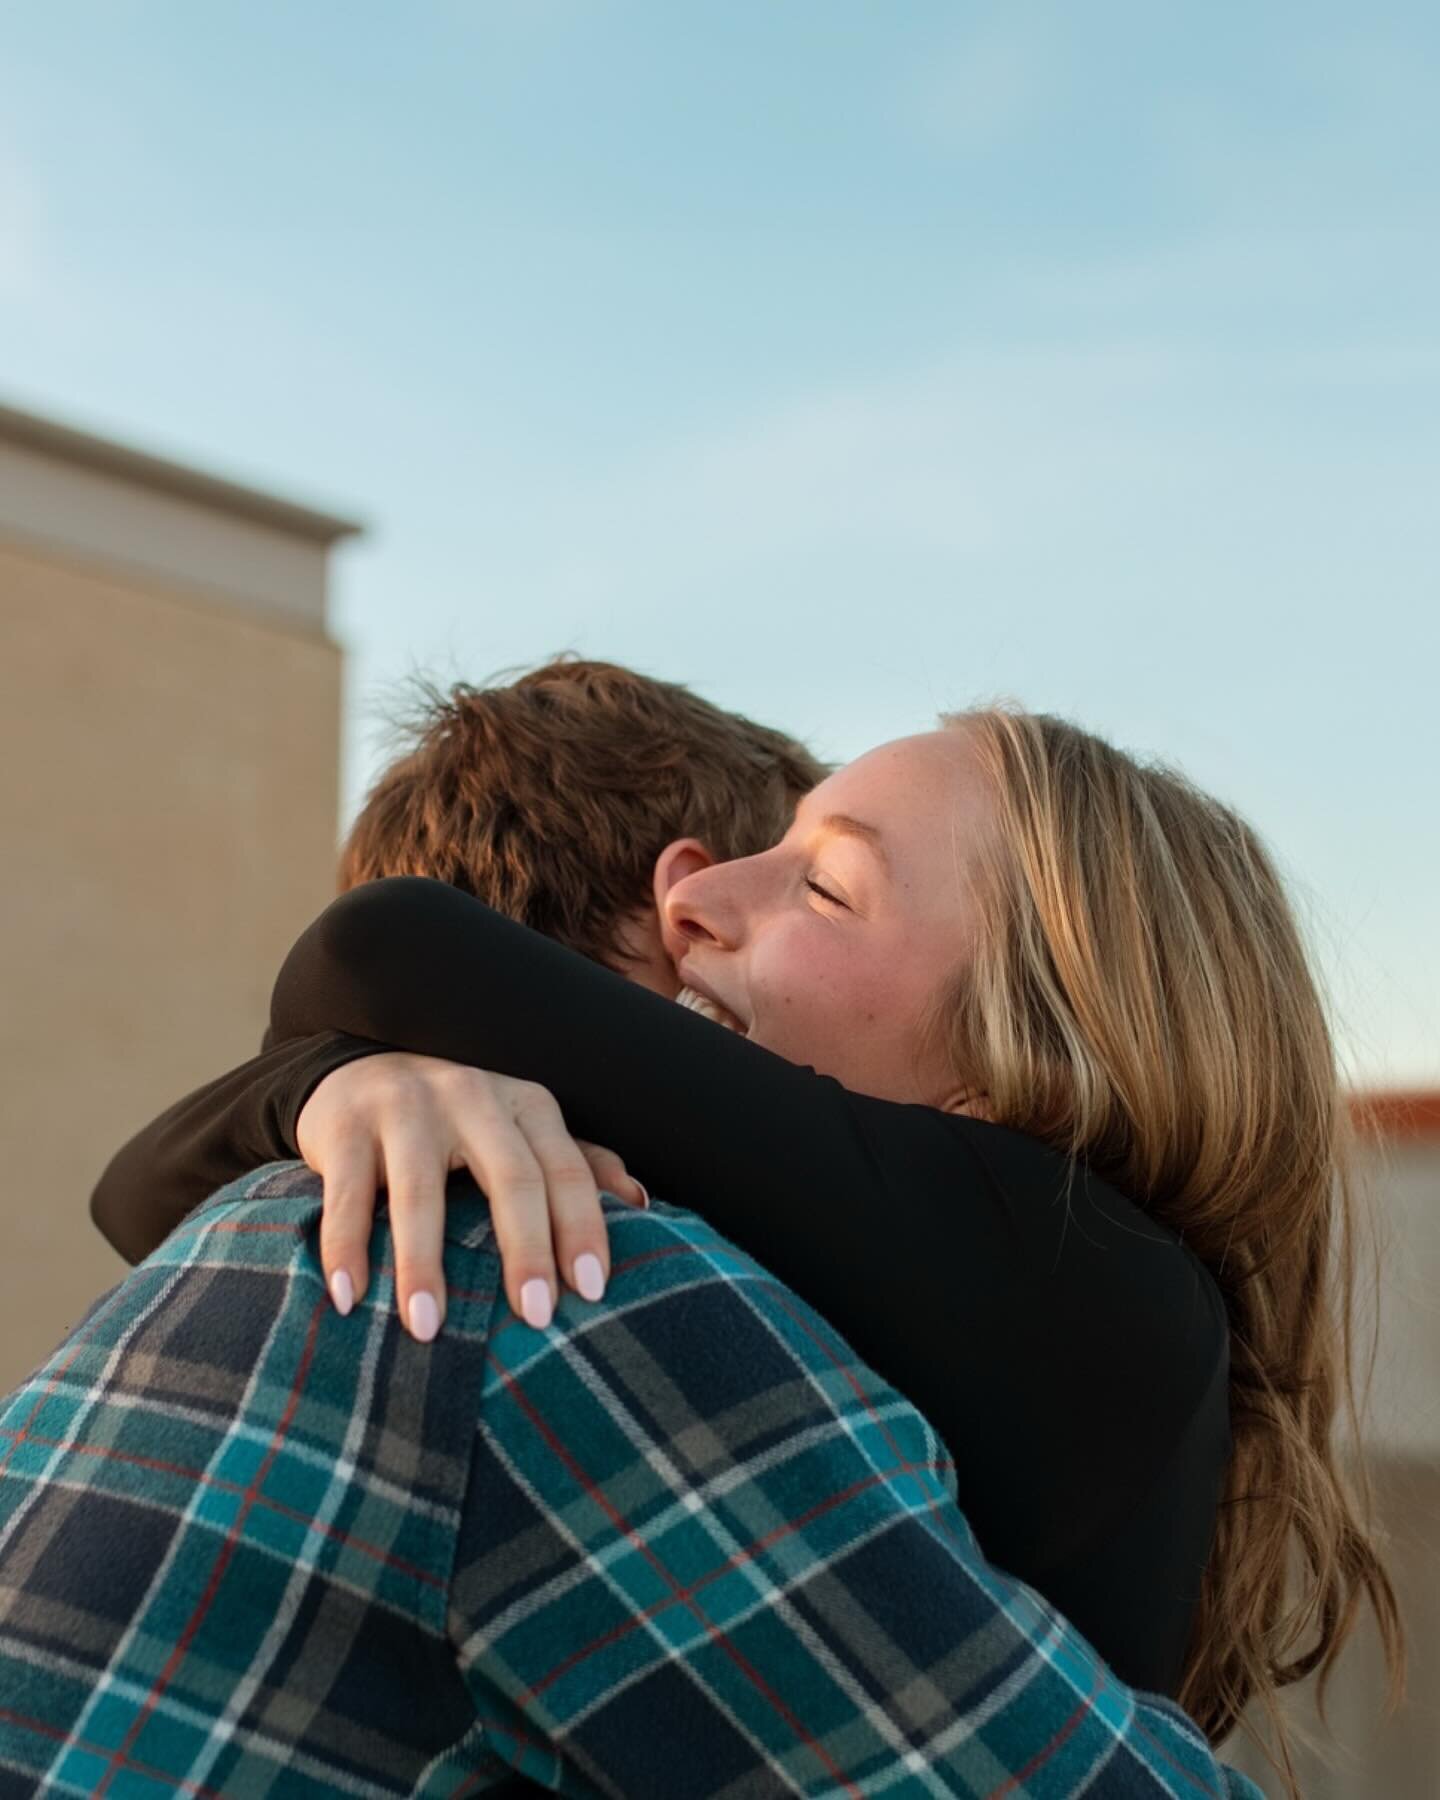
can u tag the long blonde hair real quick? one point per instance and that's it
(1141, 998)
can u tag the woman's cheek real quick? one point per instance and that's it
(800, 1005)
(781, 1022)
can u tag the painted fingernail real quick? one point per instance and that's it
(644, 1192)
(535, 1302)
(589, 1276)
(342, 1292)
(424, 1316)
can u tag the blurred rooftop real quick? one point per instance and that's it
(65, 443)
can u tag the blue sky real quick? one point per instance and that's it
(846, 361)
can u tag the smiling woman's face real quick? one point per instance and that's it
(829, 947)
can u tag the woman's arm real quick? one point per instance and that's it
(214, 1135)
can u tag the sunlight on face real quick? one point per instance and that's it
(829, 947)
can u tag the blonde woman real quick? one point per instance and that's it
(1028, 1089)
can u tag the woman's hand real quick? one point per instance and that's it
(404, 1122)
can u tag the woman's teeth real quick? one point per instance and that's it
(708, 1009)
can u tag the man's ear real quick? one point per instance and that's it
(973, 1102)
(686, 856)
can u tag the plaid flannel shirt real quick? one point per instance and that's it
(681, 1543)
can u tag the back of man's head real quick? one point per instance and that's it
(550, 798)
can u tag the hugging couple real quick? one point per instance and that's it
(945, 1424)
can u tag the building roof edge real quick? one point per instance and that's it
(67, 444)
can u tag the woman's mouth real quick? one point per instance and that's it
(708, 1009)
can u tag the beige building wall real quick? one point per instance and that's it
(169, 753)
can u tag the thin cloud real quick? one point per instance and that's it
(984, 90)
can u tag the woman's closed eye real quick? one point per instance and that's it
(815, 888)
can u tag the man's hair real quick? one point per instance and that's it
(551, 796)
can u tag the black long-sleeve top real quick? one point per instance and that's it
(1072, 1354)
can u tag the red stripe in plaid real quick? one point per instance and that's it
(717, 1636)
(205, 1227)
(227, 1550)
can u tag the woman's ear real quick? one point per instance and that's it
(686, 856)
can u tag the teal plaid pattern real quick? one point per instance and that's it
(682, 1543)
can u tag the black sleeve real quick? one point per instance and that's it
(211, 1137)
(756, 1144)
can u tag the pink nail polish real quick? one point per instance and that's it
(342, 1292)
(589, 1276)
(424, 1316)
(535, 1302)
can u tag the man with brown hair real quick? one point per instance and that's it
(549, 797)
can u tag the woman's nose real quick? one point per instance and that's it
(692, 929)
(700, 910)
(691, 920)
